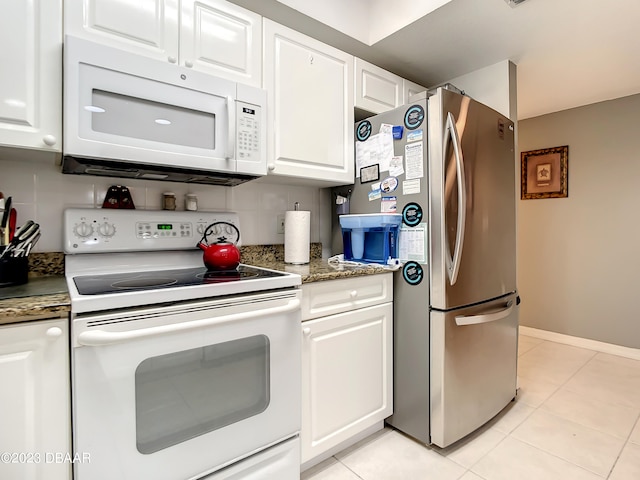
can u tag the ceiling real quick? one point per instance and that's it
(569, 53)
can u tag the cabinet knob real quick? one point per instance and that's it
(306, 331)
(172, 59)
(188, 64)
(54, 332)
(353, 293)
(49, 140)
(271, 167)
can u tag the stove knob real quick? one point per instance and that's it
(107, 229)
(83, 229)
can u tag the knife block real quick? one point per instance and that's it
(14, 271)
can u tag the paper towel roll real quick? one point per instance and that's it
(296, 236)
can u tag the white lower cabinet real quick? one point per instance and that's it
(347, 372)
(35, 412)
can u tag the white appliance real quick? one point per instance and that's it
(455, 299)
(178, 373)
(136, 117)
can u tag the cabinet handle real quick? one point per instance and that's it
(353, 293)
(54, 332)
(271, 167)
(172, 59)
(49, 140)
(188, 64)
(306, 331)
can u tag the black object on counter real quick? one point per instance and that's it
(14, 271)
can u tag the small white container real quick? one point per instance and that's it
(191, 202)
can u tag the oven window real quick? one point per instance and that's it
(185, 394)
(132, 117)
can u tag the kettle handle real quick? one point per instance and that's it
(221, 239)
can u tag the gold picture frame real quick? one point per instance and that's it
(545, 173)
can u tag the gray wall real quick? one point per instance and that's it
(578, 257)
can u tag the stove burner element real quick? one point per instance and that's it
(138, 283)
(219, 276)
(115, 283)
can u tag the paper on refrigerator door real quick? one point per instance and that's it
(414, 160)
(377, 149)
(412, 244)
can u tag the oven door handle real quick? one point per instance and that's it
(98, 338)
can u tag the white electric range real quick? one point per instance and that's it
(178, 372)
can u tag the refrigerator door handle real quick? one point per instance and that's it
(462, 320)
(454, 266)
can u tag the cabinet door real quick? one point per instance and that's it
(409, 89)
(145, 27)
(34, 401)
(320, 299)
(347, 376)
(31, 79)
(377, 90)
(310, 107)
(222, 39)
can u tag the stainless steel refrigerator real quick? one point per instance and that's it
(447, 164)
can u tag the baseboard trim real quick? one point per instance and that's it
(610, 348)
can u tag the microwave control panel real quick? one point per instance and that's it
(248, 131)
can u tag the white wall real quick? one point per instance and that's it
(494, 86)
(40, 192)
(578, 257)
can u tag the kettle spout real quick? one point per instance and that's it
(201, 246)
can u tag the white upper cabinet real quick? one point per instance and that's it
(223, 39)
(31, 79)
(310, 108)
(377, 90)
(213, 36)
(409, 89)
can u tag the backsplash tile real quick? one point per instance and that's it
(41, 192)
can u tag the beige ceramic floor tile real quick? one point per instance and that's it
(396, 457)
(472, 448)
(628, 465)
(588, 448)
(534, 392)
(527, 343)
(330, 469)
(516, 460)
(635, 434)
(510, 417)
(552, 362)
(610, 379)
(617, 420)
(470, 476)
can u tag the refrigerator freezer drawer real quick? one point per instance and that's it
(473, 367)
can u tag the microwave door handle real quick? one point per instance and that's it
(230, 152)
(97, 338)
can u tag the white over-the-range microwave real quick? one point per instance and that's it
(136, 117)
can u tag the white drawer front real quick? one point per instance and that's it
(336, 296)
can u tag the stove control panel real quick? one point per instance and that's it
(109, 230)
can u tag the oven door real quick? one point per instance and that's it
(183, 390)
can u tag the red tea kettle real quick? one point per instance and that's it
(223, 253)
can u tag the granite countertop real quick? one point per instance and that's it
(39, 298)
(45, 295)
(317, 270)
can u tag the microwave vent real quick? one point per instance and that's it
(110, 168)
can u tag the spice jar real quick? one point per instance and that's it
(191, 202)
(168, 201)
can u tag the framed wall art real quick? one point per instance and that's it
(545, 173)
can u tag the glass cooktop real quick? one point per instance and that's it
(154, 280)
